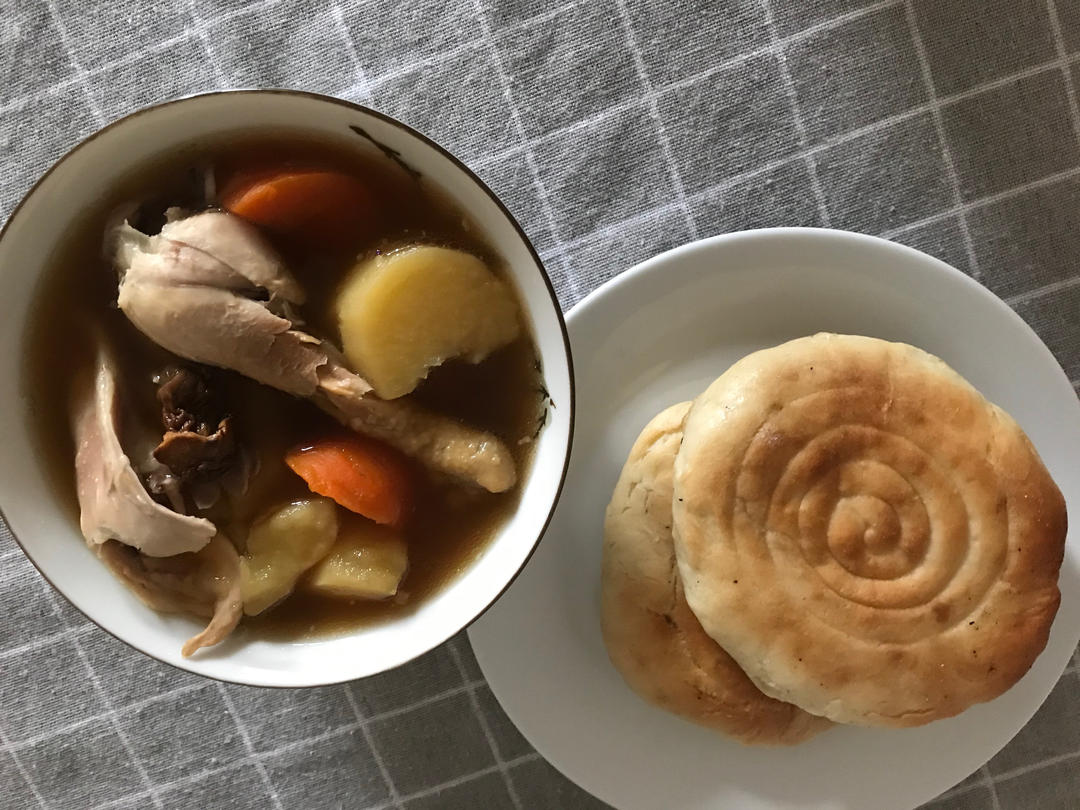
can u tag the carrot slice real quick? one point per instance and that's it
(362, 475)
(302, 203)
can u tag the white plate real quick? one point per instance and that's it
(659, 334)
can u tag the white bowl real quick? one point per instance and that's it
(44, 527)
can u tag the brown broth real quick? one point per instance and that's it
(451, 523)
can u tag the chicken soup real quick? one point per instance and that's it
(285, 384)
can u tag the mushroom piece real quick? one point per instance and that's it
(113, 503)
(210, 289)
(199, 444)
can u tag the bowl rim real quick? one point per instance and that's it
(503, 210)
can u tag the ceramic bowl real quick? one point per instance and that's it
(39, 514)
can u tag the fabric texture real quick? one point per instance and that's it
(613, 129)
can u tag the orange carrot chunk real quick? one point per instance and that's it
(361, 474)
(302, 203)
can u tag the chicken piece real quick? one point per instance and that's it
(197, 306)
(238, 244)
(206, 583)
(113, 503)
(441, 443)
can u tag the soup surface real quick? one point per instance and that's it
(446, 521)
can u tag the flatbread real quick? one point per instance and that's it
(864, 533)
(652, 637)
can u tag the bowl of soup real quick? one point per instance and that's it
(289, 395)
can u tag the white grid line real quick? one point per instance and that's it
(362, 722)
(348, 728)
(958, 210)
(586, 123)
(536, 20)
(173, 784)
(615, 109)
(200, 26)
(960, 790)
(529, 155)
(654, 113)
(362, 86)
(5, 743)
(257, 757)
(245, 738)
(632, 221)
(469, 45)
(472, 44)
(796, 114)
(45, 736)
(982, 202)
(80, 73)
(1063, 61)
(110, 712)
(205, 25)
(424, 793)
(464, 780)
(1039, 292)
(841, 19)
(426, 62)
(500, 763)
(735, 61)
(952, 211)
(391, 788)
(1037, 766)
(34, 739)
(988, 779)
(136, 761)
(828, 143)
(45, 641)
(200, 33)
(426, 701)
(942, 134)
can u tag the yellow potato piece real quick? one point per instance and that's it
(283, 546)
(402, 313)
(368, 561)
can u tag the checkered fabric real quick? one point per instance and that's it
(613, 129)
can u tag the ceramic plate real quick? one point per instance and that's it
(659, 334)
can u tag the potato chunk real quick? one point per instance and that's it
(368, 561)
(404, 312)
(283, 546)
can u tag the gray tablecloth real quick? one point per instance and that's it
(614, 129)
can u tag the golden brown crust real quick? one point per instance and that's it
(865, 534)
(652, 637)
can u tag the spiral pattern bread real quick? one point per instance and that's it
(651, 636)
(864, 533)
